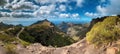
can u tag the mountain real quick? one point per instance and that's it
(74, 30)
(64, 26)
(4, 26)
(85, 46)
(103, 37)
(43, 32)
(78, 30)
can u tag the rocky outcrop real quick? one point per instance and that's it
(81, 47)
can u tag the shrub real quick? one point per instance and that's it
(10, 48)
(6, 38)
(25, 36)
(105, 32)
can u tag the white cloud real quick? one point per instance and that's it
(68, 15)
(110, 9)
(76, 15)
(20, 5)
(62, 8)
(61, 1)
(15, 14)
(91, 14)
(50, 1)
(113, 8)
(21, 14)
(14, 1)
(44, 10)
(101, 10)
(43, 1)
(80, 3)
(5, 14)
(64, 15)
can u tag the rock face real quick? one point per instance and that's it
(64, 26)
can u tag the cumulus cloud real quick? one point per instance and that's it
(4, 14)
(62, 8)
(80, 3)
(16, 14)
(62, 1)
(110, 9)
(39, 8)
(76, 15)
(101, 10)
(50, 1)
(45, 10)
(91, 14)
(21, 14)
(113, 8)
(20, 5)
(43, 1)
(64, 15)
(68, 15)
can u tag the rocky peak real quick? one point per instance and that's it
(44, 23)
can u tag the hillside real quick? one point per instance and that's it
(43, 32)
(103, 37)
(74, 30)
(85, 46)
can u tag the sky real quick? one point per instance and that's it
(29, 11)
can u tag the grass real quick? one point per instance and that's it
(24, 43)
(10, 48)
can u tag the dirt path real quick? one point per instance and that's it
(20, 32)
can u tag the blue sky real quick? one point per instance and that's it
(57, 10)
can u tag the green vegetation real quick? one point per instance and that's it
(45, 35)
(6, 38)
(7, 41)
(13, 32)
(24, 43)
(4, 26)
(105, 32)
(76, 38)
(10, 48)
(42, 32)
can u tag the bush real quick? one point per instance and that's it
(10, 48)
(105, 32)
(13, 32)
(46, 36)
(6, 38)
(25, 36)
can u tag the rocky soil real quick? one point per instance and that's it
(81, 47)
